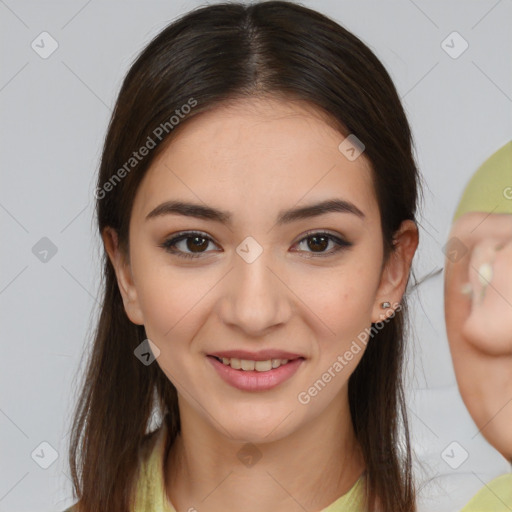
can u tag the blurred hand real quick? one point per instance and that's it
(478, 313)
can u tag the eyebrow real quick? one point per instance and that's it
(284, 217)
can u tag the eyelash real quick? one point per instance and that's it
(169, 244)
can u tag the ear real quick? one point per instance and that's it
(396, 270)
(124, 275)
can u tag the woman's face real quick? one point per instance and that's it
(248, 278)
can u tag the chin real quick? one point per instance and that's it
(251, 427)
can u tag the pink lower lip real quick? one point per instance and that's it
(253, 380)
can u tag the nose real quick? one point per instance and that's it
(255, 297)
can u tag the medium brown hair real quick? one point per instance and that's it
(211, 55)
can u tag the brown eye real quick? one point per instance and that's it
(187, 245)
(317, 243)
(196, 243)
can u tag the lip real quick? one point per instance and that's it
(252, 380)
(261, 355)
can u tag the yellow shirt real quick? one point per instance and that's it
(151, 496)
(496, 496)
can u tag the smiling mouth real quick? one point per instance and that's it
(251, 365)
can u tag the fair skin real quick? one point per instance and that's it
(479, 325)
(254, 159)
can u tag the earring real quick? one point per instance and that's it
(385, 305)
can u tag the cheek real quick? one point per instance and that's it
(170, 297)
(173, 305)
(342, 298)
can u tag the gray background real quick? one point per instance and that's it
(54, 117)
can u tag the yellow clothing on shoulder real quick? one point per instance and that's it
(496, 496)
(150, 491)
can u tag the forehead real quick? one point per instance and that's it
(256, 154)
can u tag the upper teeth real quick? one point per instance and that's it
(259, 366)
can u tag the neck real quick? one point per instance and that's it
(305, 470)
